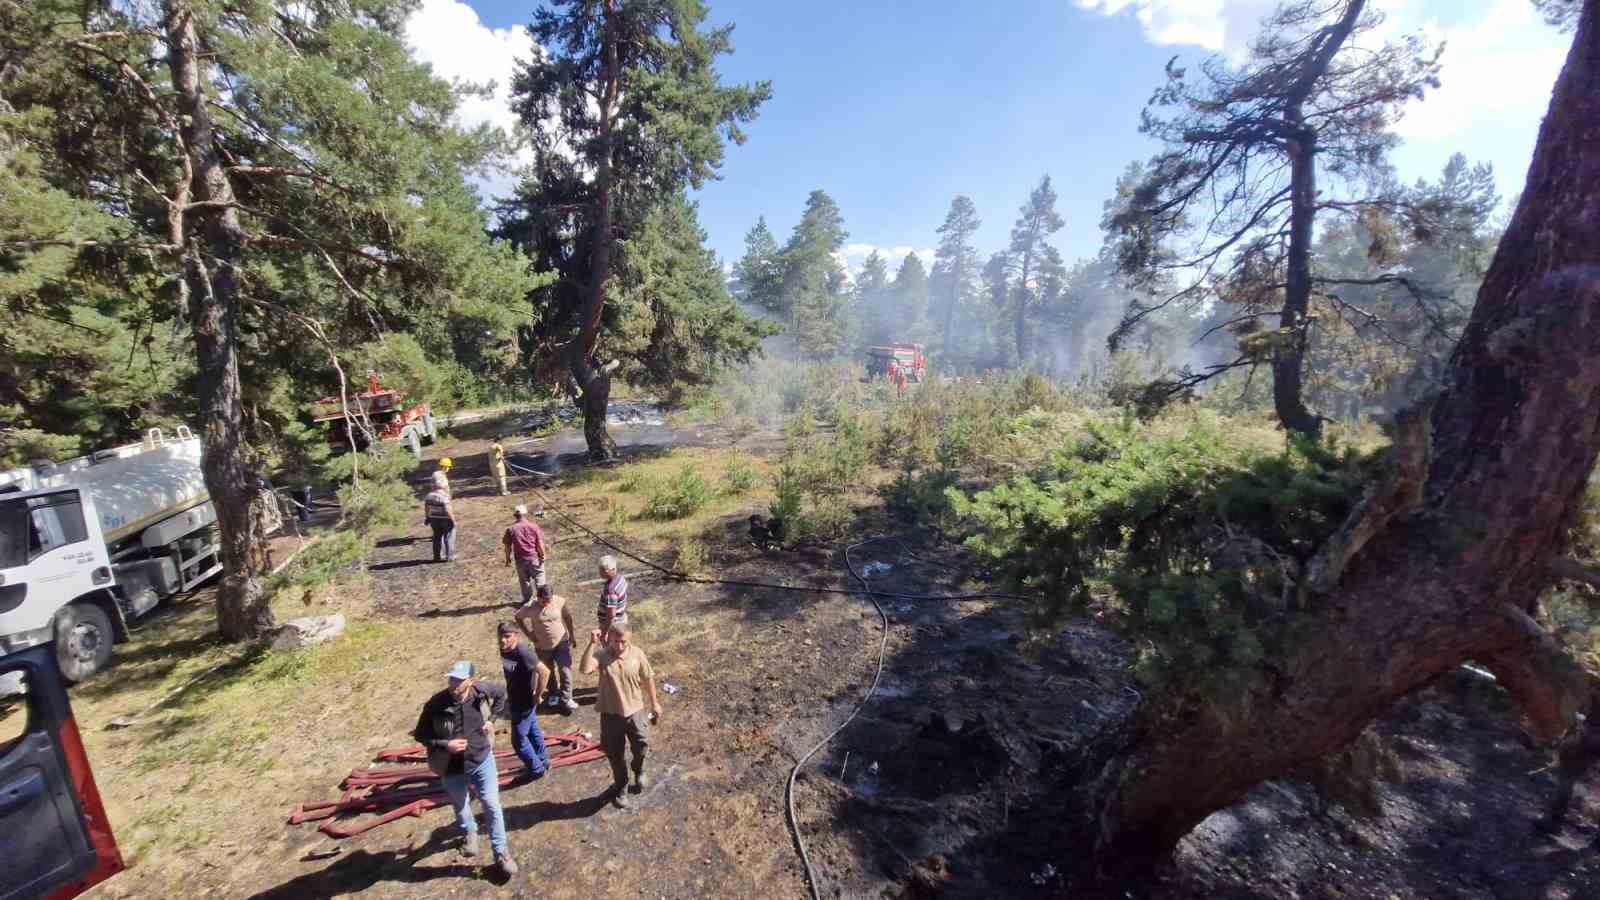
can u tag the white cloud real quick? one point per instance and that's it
(1497, 71)
(448, 35)
(854, 255)
(1499, 64)
(1216, 25)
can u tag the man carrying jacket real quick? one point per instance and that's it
(455, 727)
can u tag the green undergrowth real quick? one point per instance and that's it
(1186, 532)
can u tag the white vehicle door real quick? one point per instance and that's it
(51, 553)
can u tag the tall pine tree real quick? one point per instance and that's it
(625, 109)
(957, 267)
(257, 185)
(1029, 258)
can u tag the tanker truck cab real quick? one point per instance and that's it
(51, 547)
(90, 544)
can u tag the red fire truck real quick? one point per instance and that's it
(385, 409)
(908, 357)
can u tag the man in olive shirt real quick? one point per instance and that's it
(626, 680)
(548, 624)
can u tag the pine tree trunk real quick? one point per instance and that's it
(1514, 440)
(213, 290)
(1289, 356)
(594, 384)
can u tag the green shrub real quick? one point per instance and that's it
(1187, 537)
(691, 555)
(680, 495)
(739, 476)
(788, 495)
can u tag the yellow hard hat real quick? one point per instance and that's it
(445, 463)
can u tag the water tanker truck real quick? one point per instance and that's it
(90, 544)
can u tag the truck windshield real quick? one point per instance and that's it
(30, 526)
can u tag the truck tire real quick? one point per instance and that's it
(83, 641)
(414, 442)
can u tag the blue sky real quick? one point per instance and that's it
(895, 108)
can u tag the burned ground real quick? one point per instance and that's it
(936, 789)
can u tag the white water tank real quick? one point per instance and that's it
(133, 487)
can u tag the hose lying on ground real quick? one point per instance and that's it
(883, 643)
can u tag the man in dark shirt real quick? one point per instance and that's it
(525, 678)
(455, 726)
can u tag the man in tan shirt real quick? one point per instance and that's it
(626, 681)
(548, 624)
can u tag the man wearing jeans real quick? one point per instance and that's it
(524, 545)
(455, 726)
(548, 623)
(441, 518)
(626, 680)
(525, 678)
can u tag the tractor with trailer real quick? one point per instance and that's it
(380, 414)
(91, 544)
(908, 357)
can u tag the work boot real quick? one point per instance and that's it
(568, 707)
(640, 782)
(469, 847)
(619, 797)
(507, 865)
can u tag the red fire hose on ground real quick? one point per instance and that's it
(382, 794)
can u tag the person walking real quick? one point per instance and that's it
(626, 682)
(456, 726)
(548, 624)
(525, 547)
(525, 679)
(1576, 755)
(437, 512)
(441, 475)
(613, 608)
(497, 464)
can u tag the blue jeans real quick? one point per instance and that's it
(528, 740)
(485, 782)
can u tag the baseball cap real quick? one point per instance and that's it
(460, 671)
(520, 509)
(507, 628)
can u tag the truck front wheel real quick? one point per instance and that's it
(83, 641)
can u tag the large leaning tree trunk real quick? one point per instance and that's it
(211, 260)
(1441, 565)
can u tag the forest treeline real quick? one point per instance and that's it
(1377, 339)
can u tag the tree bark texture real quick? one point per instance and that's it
(1514, 439)
(594, 384)
(211, 260)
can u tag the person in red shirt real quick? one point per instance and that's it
(525, 547)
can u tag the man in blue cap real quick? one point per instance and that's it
(455, 726)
